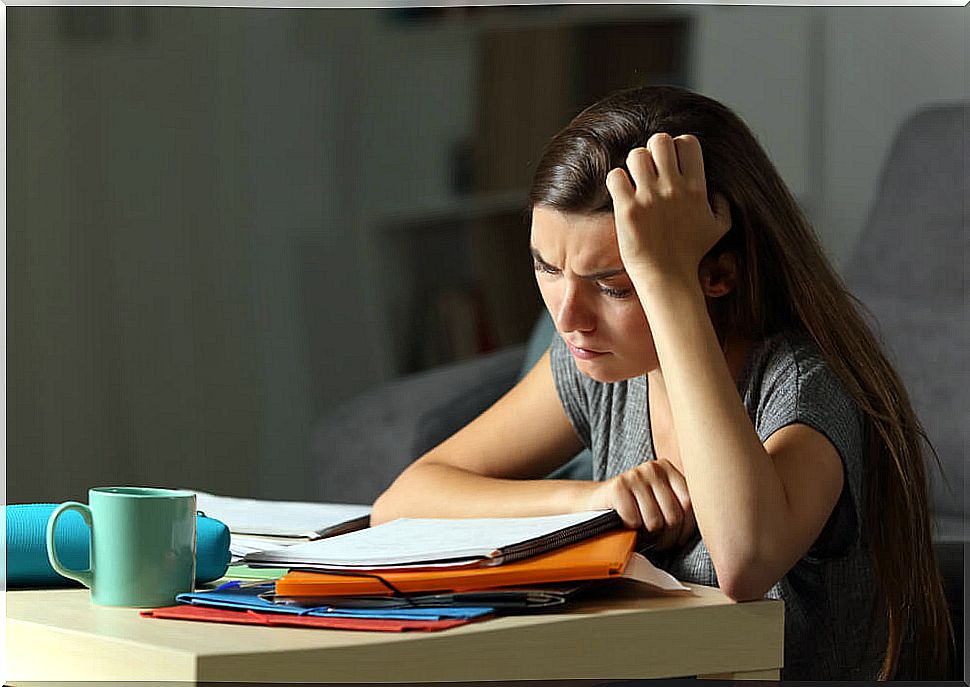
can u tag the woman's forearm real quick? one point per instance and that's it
(738, 498)
(437, 490)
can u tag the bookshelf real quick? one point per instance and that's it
(454, 280)
(452, 274)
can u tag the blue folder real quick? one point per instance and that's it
(245, 596)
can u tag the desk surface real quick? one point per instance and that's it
(57, 635)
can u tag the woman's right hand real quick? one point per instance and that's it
(652, 495)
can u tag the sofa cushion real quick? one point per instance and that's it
(361, 446)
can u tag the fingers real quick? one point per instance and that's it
(634, 501)
(654, 496)
(619, 185)
(659, 505)
(688, 528)
(672, 513)
(664, 155)
(624, 502)
(689, 157)
(641, 165)
(662, 159)
(643, 175)
(650, 513)
(679, 486)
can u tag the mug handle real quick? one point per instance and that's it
(82, 576)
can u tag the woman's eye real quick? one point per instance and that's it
(539, 267)
(614, 293)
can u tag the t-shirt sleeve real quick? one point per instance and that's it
(571, 388)
(799, 387)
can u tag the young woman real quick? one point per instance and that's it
(736, 404)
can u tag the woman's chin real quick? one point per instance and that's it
(610, 369)
(607, 374)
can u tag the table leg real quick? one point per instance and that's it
(771, 674)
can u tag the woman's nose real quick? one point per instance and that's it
(574, 313)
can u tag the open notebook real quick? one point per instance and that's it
(443, 542)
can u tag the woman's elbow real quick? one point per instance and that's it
(743, 583)
(740, 591)
(386, 507)
(393, 502)
(378, 511)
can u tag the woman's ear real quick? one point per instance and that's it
(719, 275)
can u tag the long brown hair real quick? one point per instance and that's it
(784, 280)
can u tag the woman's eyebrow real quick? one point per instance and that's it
(605, 274)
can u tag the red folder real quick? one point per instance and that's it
(219, 615)
(601, 557)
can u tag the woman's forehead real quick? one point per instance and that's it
(586, 241)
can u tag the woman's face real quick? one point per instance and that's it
(589, 295)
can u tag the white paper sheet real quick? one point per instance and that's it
(639, 569)
(241, 544)
(278, 518)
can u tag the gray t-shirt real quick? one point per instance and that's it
(830, 594)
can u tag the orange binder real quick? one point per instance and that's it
(600, 557)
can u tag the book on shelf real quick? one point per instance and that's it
(458, 326)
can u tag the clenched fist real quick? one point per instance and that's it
(654, 496)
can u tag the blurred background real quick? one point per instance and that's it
(224, 223)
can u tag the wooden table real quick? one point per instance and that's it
(58, 635)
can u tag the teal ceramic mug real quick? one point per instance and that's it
(142, 545)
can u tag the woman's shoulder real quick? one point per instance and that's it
(786, 345)
(788, 358)
(792, 382)
(788, 379)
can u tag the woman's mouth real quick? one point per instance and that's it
(584, 353)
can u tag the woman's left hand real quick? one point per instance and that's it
(664, 224)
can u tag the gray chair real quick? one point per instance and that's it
(908, 269)
(362, 445)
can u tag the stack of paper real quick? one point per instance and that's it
(467, 556)
(256, 525)
(258, 597)
(237, 603)
(609, 555)
(432, 573)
